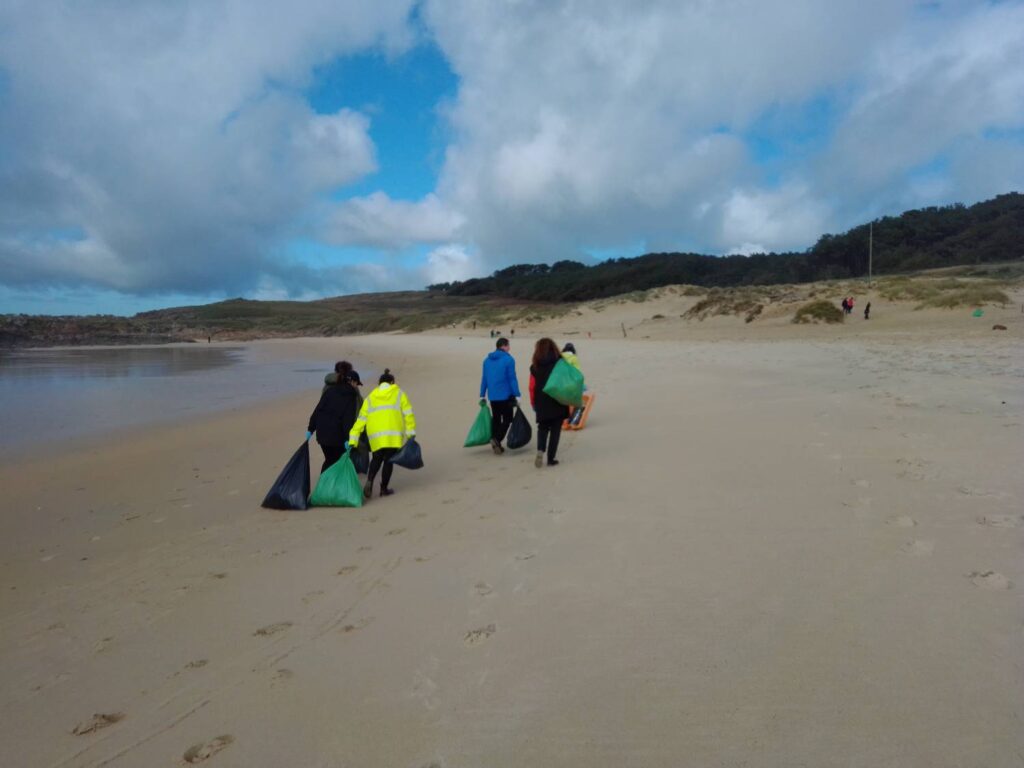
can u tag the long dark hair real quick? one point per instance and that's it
(545, 351)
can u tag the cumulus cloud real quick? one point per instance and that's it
(172, 138)
(378, 221)
(154, 147)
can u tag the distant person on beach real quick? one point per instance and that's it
(335, 413)
(846, 306)
(388, 420)
(849, 306)
(867, 310)
(550, 413)
(500, 385)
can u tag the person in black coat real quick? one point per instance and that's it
(334, 415)
(550, 412)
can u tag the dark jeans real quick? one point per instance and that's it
(331, 455)
(379, 458)
(546, 428)
(501, 417)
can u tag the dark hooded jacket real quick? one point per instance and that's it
(334, 415)
(548, 409)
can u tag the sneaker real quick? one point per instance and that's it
(386, 491)
(552, 462)
(538, 462)
(496, 447)
(368, 489)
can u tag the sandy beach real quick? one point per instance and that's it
(772, 546)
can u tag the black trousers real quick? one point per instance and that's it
(549, 431)
(379, 459)
(331, 455)
(501, 417)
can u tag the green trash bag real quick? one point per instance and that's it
(480, 432)
(565, 384)
(338, 486)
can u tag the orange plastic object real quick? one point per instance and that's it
(572, 422)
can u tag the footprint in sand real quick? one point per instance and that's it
(367, 548)
(989, 580)
(281, 676)
(447, 501)
(272, 629)
(199, 753)
(197, 664)
(350, 628)
(861, 483)
(918, 548)
(526, 556)
(422, 559)
(483, 588)
(371, 518)
(395, 531)
(1000, 521)
(967, 490)
(420, 514)
(347, 569)
(901, 521)
(98, 722)
(222, 575)
(477, 636)
(311, 596)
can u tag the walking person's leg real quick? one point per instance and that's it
(497, 410)
(332, 453)
(543, 428)
(502, 419)
(375, 464)
(556, 434)
(385, 475)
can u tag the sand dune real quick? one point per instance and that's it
(802, 547)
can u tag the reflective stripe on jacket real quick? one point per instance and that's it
(387, 417)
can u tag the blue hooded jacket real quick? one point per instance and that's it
(499, 377)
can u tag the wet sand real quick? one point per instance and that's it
(775, 552)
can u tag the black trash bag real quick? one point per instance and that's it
(291, 489)
(360, 456)
(410, 457)
(520, 432)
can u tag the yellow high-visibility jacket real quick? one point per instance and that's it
(571, 359)
(387, 417)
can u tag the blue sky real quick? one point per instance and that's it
(163, 155)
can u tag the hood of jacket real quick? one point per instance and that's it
(497, 354)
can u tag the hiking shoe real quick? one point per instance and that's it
(538, 462)
(496, 447)
(386, 492)
(368, 489)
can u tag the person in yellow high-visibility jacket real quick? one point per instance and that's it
(388, 419)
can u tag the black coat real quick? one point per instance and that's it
(334, 415)
(548, 409)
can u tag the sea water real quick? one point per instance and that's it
(56, 395)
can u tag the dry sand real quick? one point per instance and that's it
(802, 548)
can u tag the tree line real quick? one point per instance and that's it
(926, 238)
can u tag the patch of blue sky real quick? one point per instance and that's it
(1015, 134)
(83, 301)
(402, 96)
(785, 136)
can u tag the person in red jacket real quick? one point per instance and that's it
(550, 412)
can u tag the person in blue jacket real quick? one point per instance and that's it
(500, 386)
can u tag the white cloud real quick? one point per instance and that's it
(378, 221)
(449, 263)
(173, 139)
(173, 135)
